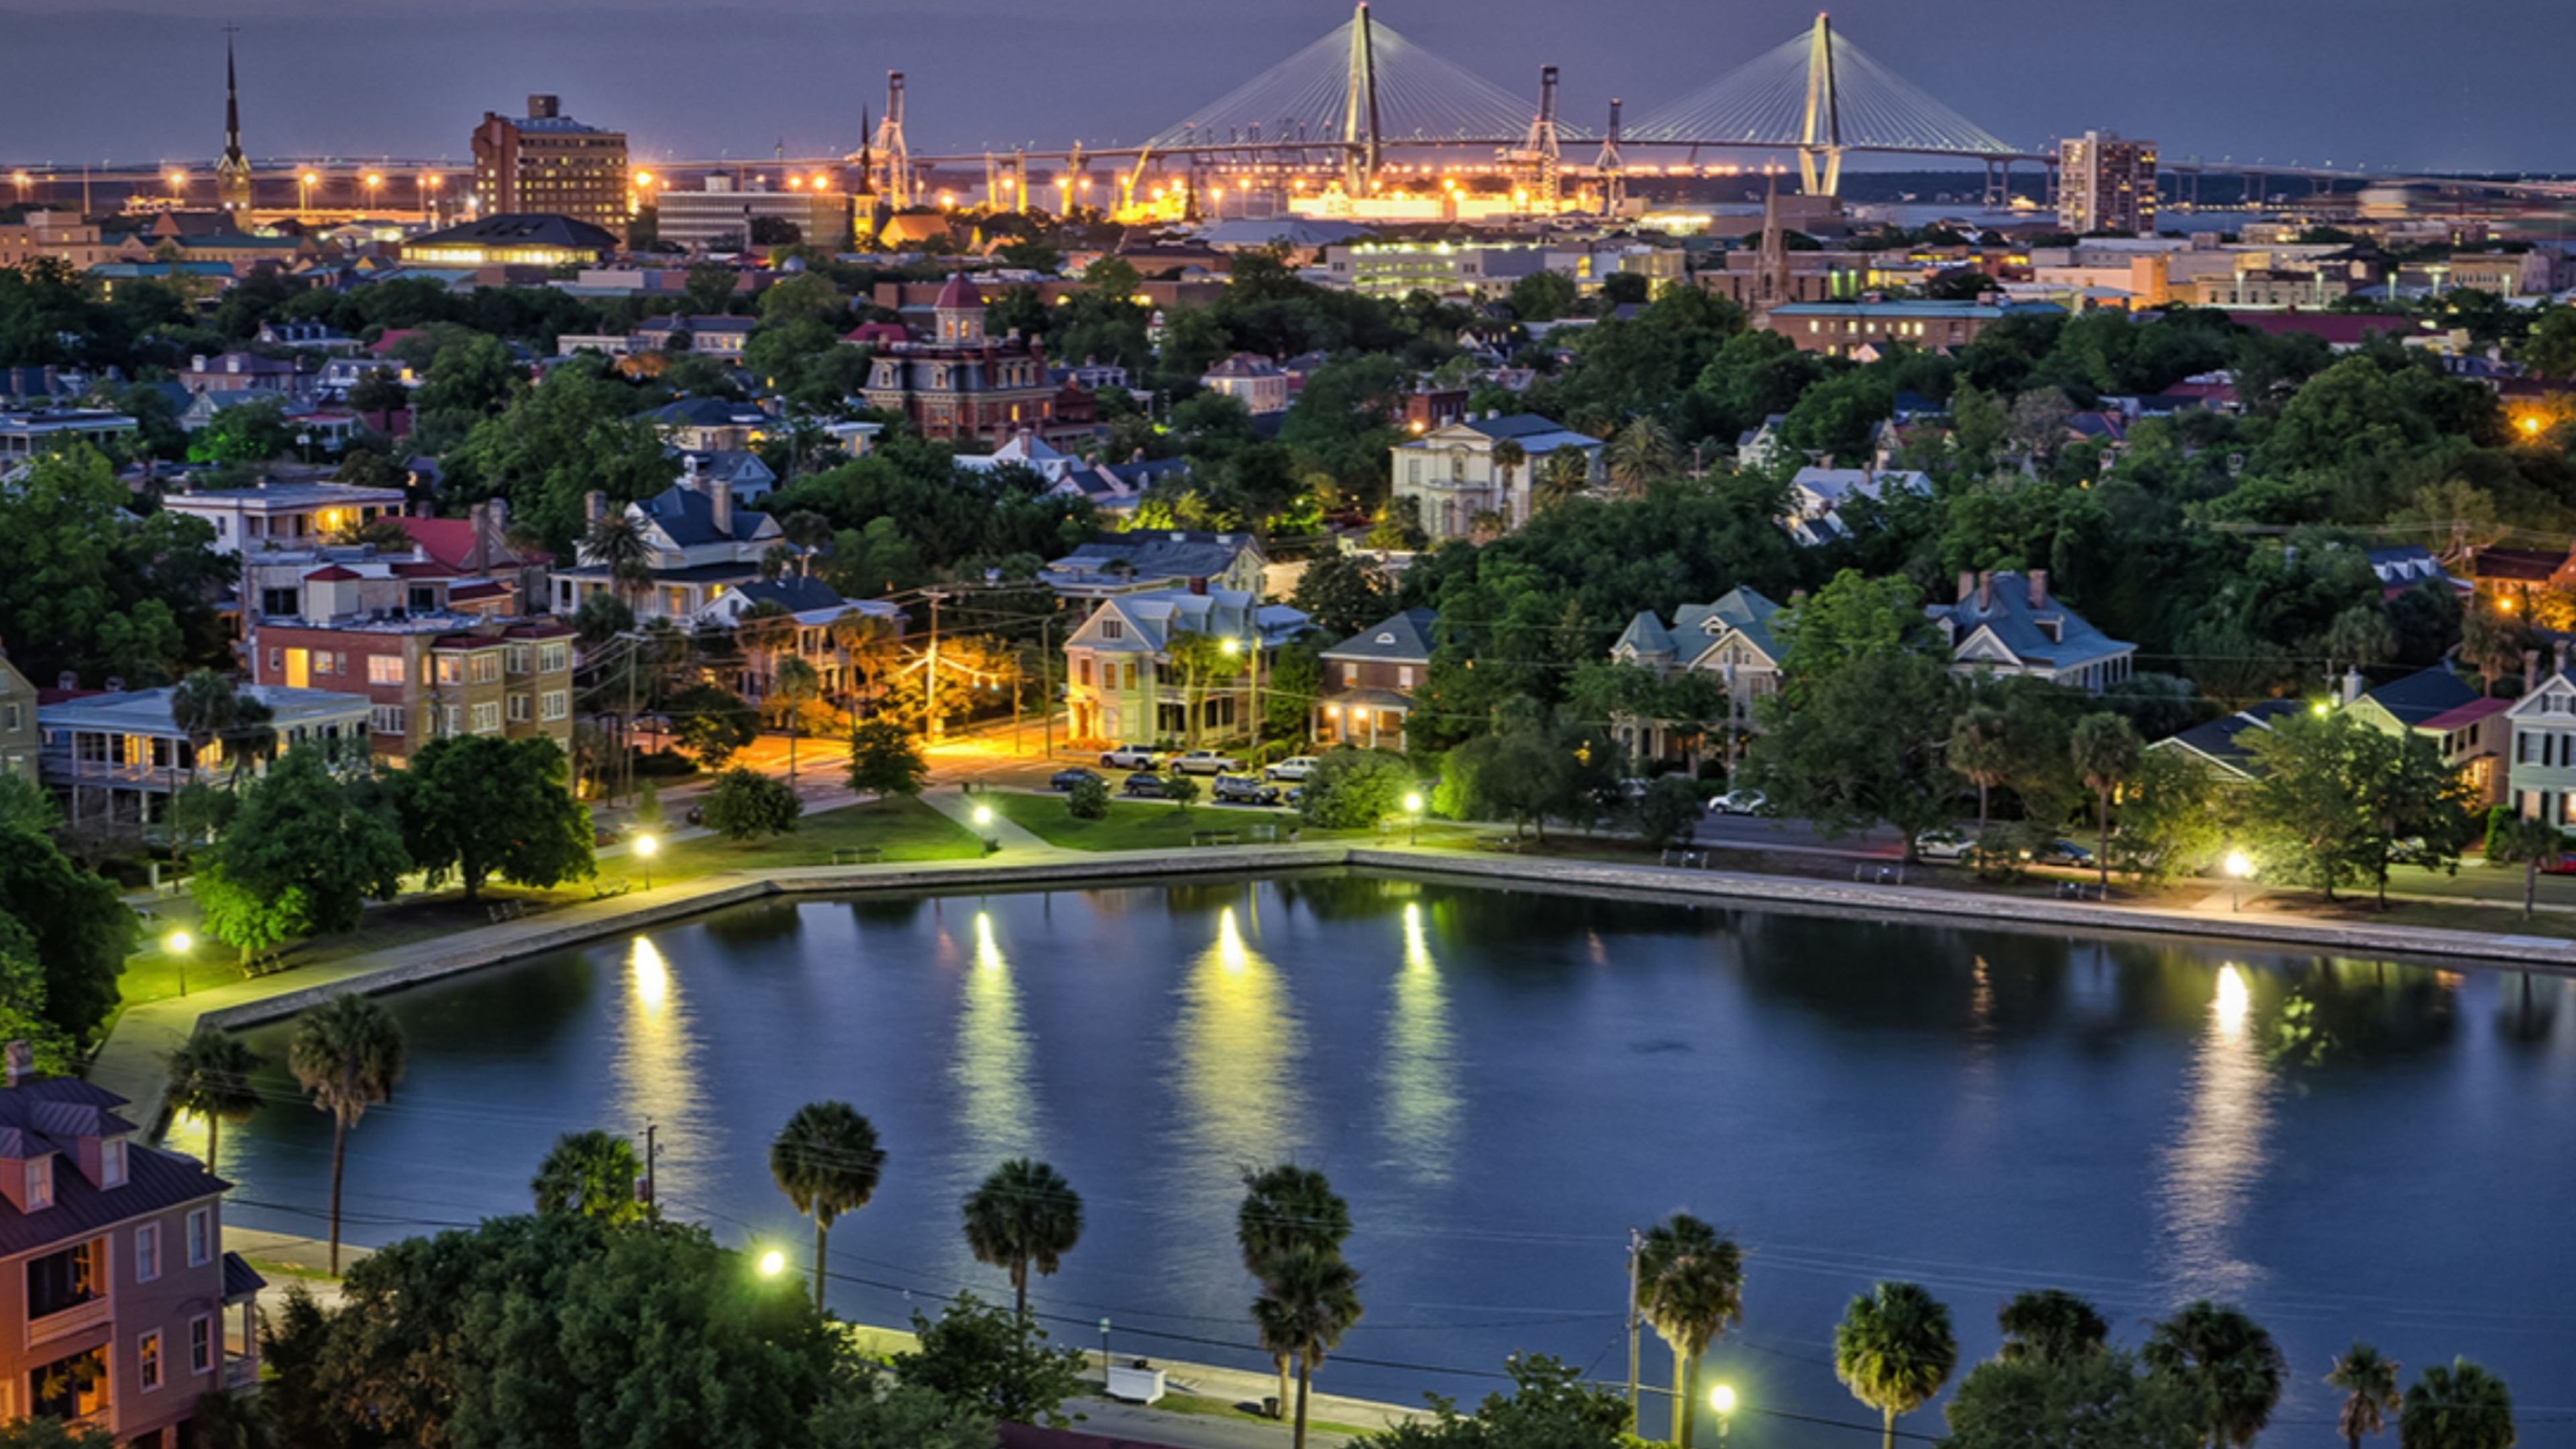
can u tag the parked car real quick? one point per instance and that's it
(1243, 790)
(1296, 767)
(1145, 787)
(1943, 845)
(1067, 779)
(1207, 762)
(2064, 852)
(1737, 802)
(1132, 757)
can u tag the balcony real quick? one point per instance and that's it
(79, 1318)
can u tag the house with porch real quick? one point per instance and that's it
(2009, 623)
(697, 545)
(279, 515)
(122, 1290)
(1369, 682)
(801, 617)
(2540, 774)
(1127, 680)
(115, 757)
(1730, 640)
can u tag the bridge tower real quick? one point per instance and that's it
(1359, 110)
(1613, 168)
(1820, 134)
(1539, 152)
(891, 152)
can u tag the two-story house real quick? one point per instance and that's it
(2006, 623)
(804, 618)
(2540, 773)
(698, 545)
(1452, 479)
(1254, 381)
(1817, 497)
(2452, 712)
(275, 515)
(1370, 679)
(115, 757)
(112, 1267)
(1729, 640)
(1128, 682)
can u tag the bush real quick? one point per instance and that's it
(1182, 790)
(1669, 811)
(745, 805)
(1088, 799)
(1355, 789)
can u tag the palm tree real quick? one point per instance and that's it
(2050, 1326)
(253, 735)
(1310, 1297)
(795, 685)
(1690, 1286)
(868, 643)
(827, 1161)
(2230, 1365)
(204, 707)
(2456, 1406)
(1508, 455)
(2533, 841)
(617, 543)
(1640, 454)
(589, 1174)
(347, 1054)
(2358, 638)
(1285, 1208)
(210, 1077)
(1979, 752)
(1894, 1350)
(2106, 750)
(2369, 1383)
(1567, 474)
(2491, 643)
(810, 532)
(1024, 1216)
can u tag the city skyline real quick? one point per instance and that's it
(998, 72)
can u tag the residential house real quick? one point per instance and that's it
(1760, 447)
(241, 372)
(1817, 497)
(115, 1256)
(1730, 640)
(2008, 623)
(1255, 382)
(2409, 566)
(962, 383)
(800, 616)
(1137, 563)
(722, 338)
(116, 757)
(305, 336)
(456, 554)
(274, 515)
(1452, 480)
(1369, 682)
(19, 740)
(25, 435)
(1027, 450)
(1125, 684)
(423, 677)
(738, 471)
(708, 424)
(2452, 712)
(697, 543)
(2222, 745)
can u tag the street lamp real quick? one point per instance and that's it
(1413, 816)
(983, 822)
(304, 441)
(1722, 1399)
(178, 186)
(645, 845)
(2238, 867)
(304, 185)
(179, 944)
(772, 1263)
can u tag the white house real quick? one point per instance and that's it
(1028, 450)
(1452, 479)
(698, 547)
(1817, 496)
(1256, 382)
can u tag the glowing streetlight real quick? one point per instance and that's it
(983, 816)
(1721, 1397)
(2530, 425)
(179, 944)
(304, 185)
(178, 185)
(375, 183)
(2238, 867)
(772, 1263)
(22, 181)
(1413, 817)
(645, 845)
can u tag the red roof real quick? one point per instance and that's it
(468, 593)
(958, 295)
(2467, 714)
(448, 542)
(871, 332)
(332, 574)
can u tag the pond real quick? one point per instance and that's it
(1504, 1083)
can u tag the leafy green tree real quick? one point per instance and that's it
(1182, 790)
(1894, 1350)
(1669, 813)
(1355, 789)
(590, 1174)
(2300, 807)
(85, 587)
(303, 829)
(991, 1364)
(2367, 1380)
(886, 759)
(2106, 758)
(1088, 799)
(746, 805)
(2533, 842)
(471, 375)
(1291, 683)
(1310, 1297)
(1542, 297)
(1023, 1217)
(2227, 1363)
(2457, 1405)
(2097, 1400)
(77, 932)
(210, 1077)
(251, 432)
(1863, 746)
(347, 1054)
(826, 1159)
(252, 922)
(43, 1433)
(1690, 1286)
(1550, 1407)
(567, 437)
(475, 806)
(713, 723)
(2050, 1326)
(1343, 593)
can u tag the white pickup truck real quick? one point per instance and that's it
(1206, 762)
(1131, 757)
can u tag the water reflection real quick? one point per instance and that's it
(1421, 1067)
(2210, 1172)
(1237, 1044)
(653, 1076)
(995, 1108)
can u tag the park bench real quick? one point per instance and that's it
(1216, 837)
(507, 911)
(858, 855)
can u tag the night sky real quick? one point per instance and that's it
(2397, 83)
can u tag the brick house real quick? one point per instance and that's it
(423, 676)
(964, 383)
(117, 1276)
(1370, 679)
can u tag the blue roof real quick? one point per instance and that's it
(796, 593)
(689, 517)
(2049, 633)
(1400, 637)
(2223, 740)
(705, 412)
(2424, 694)
(1740, 610)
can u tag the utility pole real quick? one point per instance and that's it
(930, 679)
(652, 1205)
(1636, 1247)
(1046, 682)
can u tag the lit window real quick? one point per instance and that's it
(384, 669)
(40, 1183)
(147, 1360)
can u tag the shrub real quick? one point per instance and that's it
(1355, 789)
(745, 805)
(1183, 790)
(1088, 799)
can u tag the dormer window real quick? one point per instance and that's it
(2054, 629)
(40, 1183)
(111, 1162)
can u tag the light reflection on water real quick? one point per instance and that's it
(1421, 1068)
(996, 1111)
(1237, 1044)
(2214, 1166)
(653, 1075)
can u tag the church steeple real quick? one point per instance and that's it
(232, 172)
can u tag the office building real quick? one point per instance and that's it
(2106, 184)
(725, 217)
(546, 163)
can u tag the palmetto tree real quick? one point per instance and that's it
(868, 644)
(1508, 455)
(589, 1174)
(2368, 1379)
(2106, 751)
(1690, 1286)
(347, 1054)
(826, 1159)
(1979, 752)
(617, 543)
(1894, 1350)
(2534, 842)
(810, 532)
(1310, 1297)
(1567, 472)
(253, 735)
(210, 1077)
(2456, 1406)
(795, 685)
(2228, 1362)
(1640, 454)
(1024, 1216)
(204, 707)
(2050, 1326)
(1285, 1208)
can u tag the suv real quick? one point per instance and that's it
(1206, 762)
(1131, 757)
(1144, 787)
(1243, 790)
(1295, 768)
(1067, 779)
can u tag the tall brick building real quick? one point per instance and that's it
(546, 163)
(963, 383)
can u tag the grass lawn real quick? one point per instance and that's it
(1220, 1409)
(903, 829)
(1132, 824)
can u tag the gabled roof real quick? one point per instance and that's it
(2024, 629)
(1179, 554)
(1695, 627)
(522, 228)
(705, 412)
(1401, 638)
(50, 1117)
(796, 593)
(687, 516)
(2423, 696)
(2222, 741)
(2466, 715)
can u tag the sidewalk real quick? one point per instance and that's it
(959, 805)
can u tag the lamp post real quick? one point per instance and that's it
(645, 845)
(375, 181)
(2238, 868)
(1721, 1398)
(178, 187)
(772, 1263)
(304, 184)
(1412, 817)
(984, 822)
(179, 944)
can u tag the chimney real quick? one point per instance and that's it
(22, 1062)
(2530, 669)
(594, 508)
(1967, 584)
(2039, 588)
(720, 497)
(480, 555)
(1985, 592)
(2351, 685)
(1198, 586)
